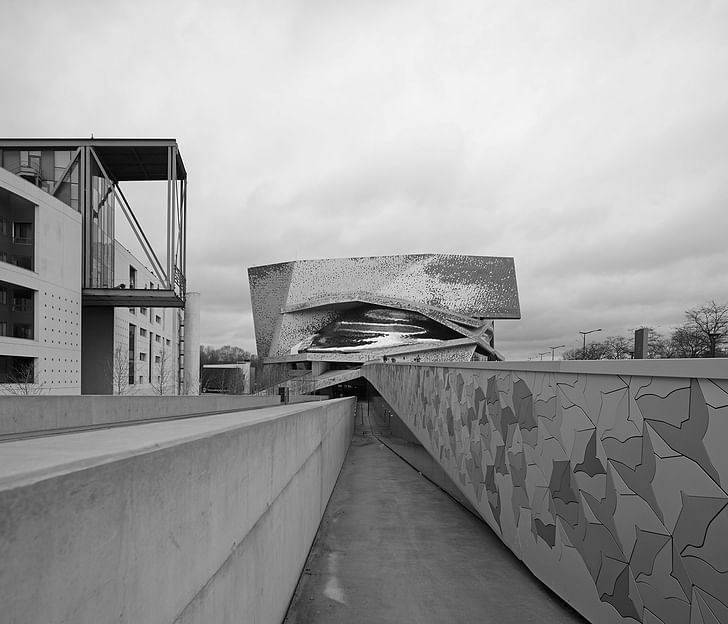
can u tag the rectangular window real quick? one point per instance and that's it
(132, 310)
(142, 356)
(142, 310)
(158, 318)
(132, 347)
(132, 277)
(157, 338)
(3, 328)
(141, 379)
(142, 331)
(169, 342)
(17, 310)
(17, 225)
(157, 359)
(17, 370)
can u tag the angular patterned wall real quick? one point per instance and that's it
(613, 489)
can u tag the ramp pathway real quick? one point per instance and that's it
(393, 547)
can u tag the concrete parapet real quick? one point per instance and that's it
(28, 414)
(609, 480)
(196, 520)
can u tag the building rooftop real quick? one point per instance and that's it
(123, 159)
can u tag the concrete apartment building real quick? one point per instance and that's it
(40, 288)
(79, 313)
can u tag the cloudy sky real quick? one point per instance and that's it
(587, 139)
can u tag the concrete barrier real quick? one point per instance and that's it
(197, 520)
(609, 480)
(36, 414)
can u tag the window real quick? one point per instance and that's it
(3, 328)
(22, 233)
(132, 310)
(23, 302)
(23, 330)
(142, 310)
(169, 342)
(157, 338)
(141, 379)
(132, 346)
(17, 370)
(23, 261)
(142, 331)
(132, 277)
(142, 356)
(17, 308)
(17, 226)
(157, 359)
(158, 318)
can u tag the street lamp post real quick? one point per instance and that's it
(553, 350)
(542, 354)
(584, 335)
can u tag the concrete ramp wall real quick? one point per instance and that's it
(609, 480)
(198, 520)
(48, 414)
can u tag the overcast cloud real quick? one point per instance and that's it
(588, 140)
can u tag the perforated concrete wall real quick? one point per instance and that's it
(612, 488)
(56, 281)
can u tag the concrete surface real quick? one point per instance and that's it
(393, 547)
(202, 520)
(25, 414)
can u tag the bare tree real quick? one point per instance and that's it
(163, 383)
(711, 321)
(118, 369)
(688, 342)
(617, 348)
(22, 382)
(594, 351)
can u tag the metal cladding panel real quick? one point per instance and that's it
(480, 287)
(268, 291)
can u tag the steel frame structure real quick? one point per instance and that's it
(126, 160)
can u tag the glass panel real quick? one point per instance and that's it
(17, 310)
(17, 225)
